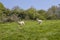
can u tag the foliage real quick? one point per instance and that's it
(42, 14)
(18, 13)
(51, 13)
(31, 12)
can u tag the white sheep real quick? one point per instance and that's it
(21, 22)
(39, 21)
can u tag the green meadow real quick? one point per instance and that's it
(48, 30)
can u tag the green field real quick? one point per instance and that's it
(48, 30)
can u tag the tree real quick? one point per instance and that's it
(42, 14)
(17, 9)
(58, 12)
(51, 13)
(2, 9)
(31, 12)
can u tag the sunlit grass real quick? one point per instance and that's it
(48, 30)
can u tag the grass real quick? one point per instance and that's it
(48, 30)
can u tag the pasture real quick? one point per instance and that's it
(48, 30)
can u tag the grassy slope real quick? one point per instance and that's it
(48, 30)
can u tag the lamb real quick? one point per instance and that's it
(39, 21)
(21, 22)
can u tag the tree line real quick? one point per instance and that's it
(17, 13)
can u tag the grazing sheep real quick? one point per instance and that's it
(39, 21)
(21, 22)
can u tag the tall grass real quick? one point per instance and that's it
(48, 30)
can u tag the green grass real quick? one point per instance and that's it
(48, 30)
